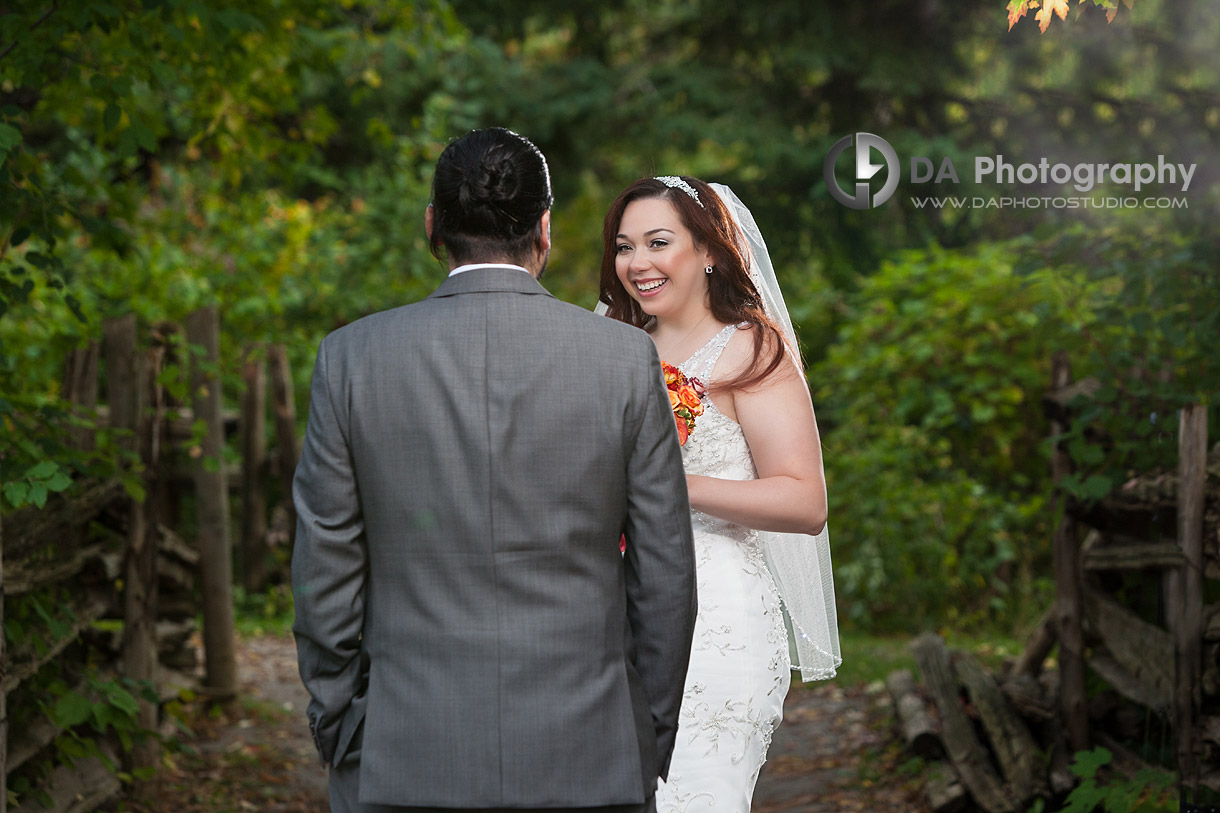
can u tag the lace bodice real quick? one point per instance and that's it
(717, 447)
(739, 664)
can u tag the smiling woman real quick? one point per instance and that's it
(662, 269)
(678, 263)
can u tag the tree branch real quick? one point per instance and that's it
(54, 7)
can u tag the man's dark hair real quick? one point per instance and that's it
(488, 194)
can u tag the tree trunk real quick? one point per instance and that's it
(1067, 584)
(253, 462)
(215, 547)
(285, 428)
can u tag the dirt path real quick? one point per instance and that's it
(834, 752)
(251, 755)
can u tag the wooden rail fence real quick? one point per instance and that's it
(98, 586)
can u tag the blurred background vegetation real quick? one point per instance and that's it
(274, 157)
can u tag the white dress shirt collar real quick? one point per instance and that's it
(471, 266)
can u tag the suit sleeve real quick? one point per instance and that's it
(660, 559)
(329, 561)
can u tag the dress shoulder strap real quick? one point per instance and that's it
(701, 364)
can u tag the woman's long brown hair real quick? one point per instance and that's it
(732, 297)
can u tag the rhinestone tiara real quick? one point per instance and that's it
(674, 182)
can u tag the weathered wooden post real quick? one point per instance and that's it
(253, 554)
(215, 546)
(1184, 591)
(127, 380)
(1067, 584)
(80, 387)
(285, 428)
(3, 675)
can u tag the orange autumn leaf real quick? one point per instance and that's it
(1016, 10)
(1048, 10)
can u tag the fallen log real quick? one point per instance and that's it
(944, 792)
(918, 729)
(965, 751)
(1011, 742)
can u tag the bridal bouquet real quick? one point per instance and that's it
(685, 397)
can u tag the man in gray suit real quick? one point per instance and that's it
(468, 630)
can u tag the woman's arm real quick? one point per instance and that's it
(777, 419)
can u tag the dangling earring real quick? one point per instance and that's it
(707, 270)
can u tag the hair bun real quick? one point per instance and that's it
(494, 182)
(490, 185)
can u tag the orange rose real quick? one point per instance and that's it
(674, 401)
(690, 400)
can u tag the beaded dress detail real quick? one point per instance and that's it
(739, 666)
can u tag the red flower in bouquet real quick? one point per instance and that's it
(685, 398)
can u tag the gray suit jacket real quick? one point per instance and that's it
(469, 464)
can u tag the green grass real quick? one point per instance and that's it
(268, 613)
(868, 658)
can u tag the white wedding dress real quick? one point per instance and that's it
(739, 666)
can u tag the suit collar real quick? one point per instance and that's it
(487, 280)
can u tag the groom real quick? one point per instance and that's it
(468, 630)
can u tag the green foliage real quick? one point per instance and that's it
(108, 705)
(932, 425)
(189, 154)
(1148, 791)
(35, 484)
(101, 705)
(262, 613)
(1147, 304)
(34, 622)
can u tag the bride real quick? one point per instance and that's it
(684, 261)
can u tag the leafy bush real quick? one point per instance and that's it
(1150, 790)
(930, 406)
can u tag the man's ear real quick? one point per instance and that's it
(428, 221)
(544, 237)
